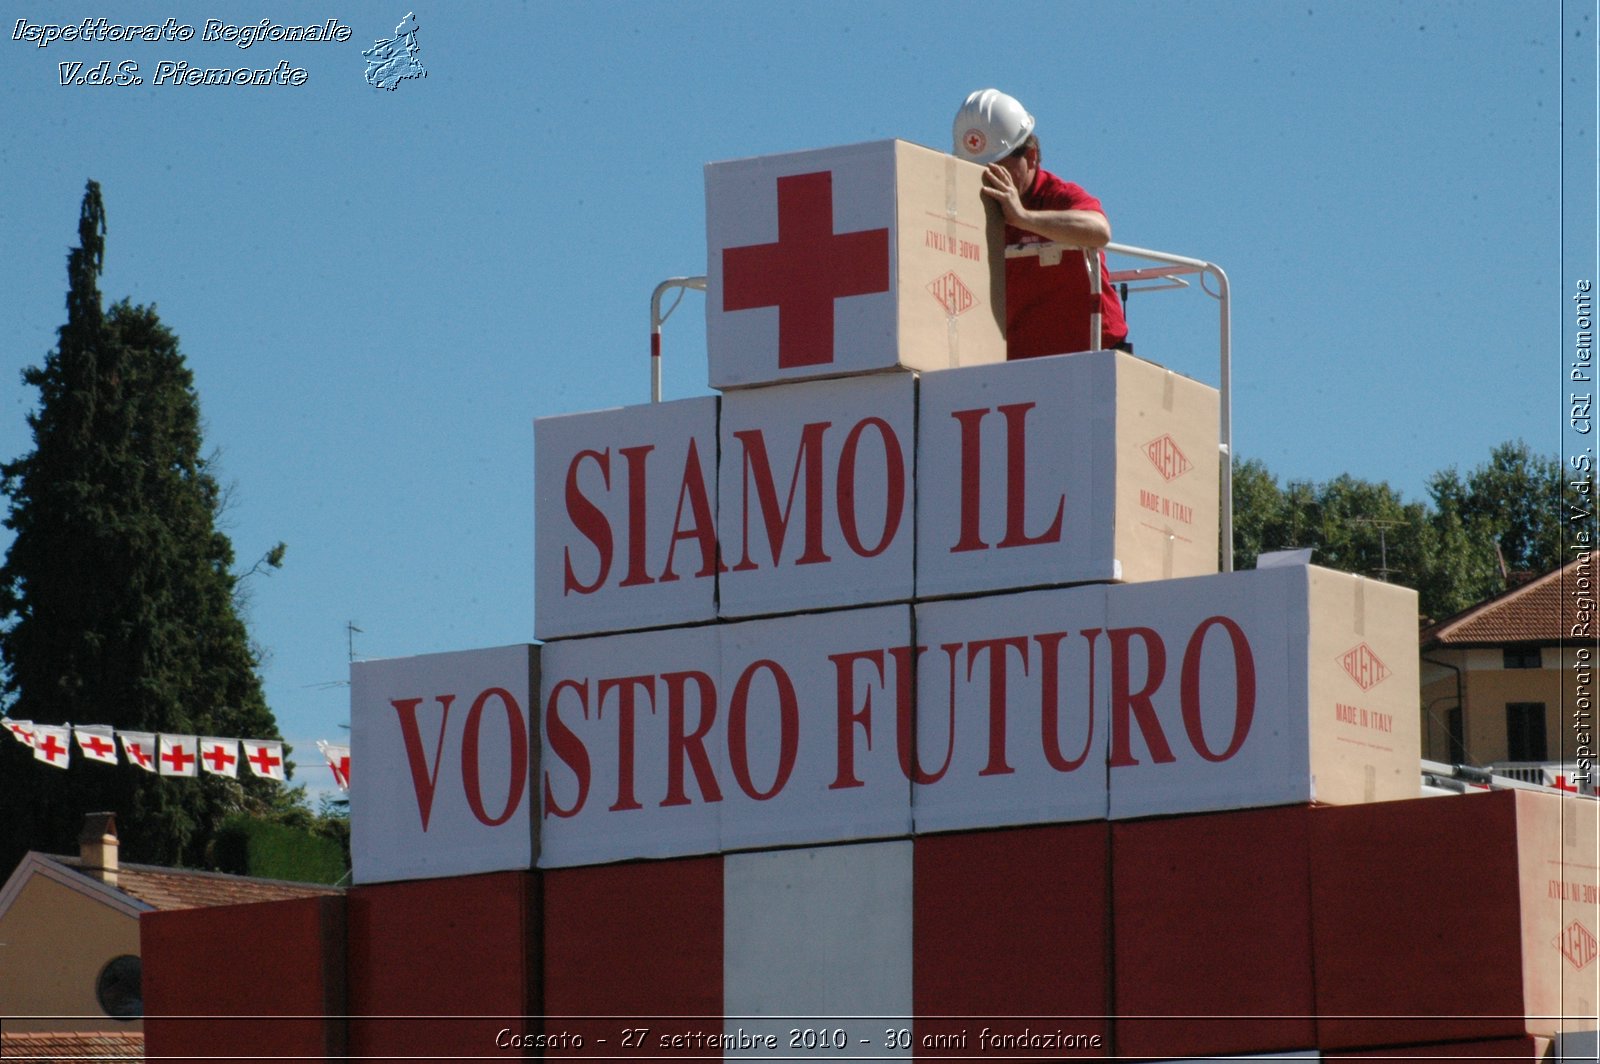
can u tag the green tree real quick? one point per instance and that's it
(117, 604)
(1449, 549)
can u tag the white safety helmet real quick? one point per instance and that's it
(990, 126)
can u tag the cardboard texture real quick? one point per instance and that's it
(1487, 900)
(1074, 468)
(634, 945)
(815, 941)
(450, 750)
(816, 495)
(695, 740)
(1264, 687)
(442, 967)
(1182, 887)
(625, 518)
(850, 260)
(285, 999)
(1011, 926)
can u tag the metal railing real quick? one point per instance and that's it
(1168, 273)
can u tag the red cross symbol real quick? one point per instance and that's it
(96, 746)
(178, 758)
(341, 771)
(264, 762)
(22, 733)
(136, 752)
(218, 758)
(806, 270)
(1561, 784)
(50, 748)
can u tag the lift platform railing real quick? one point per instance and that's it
(1169, 273)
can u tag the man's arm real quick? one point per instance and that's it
(1084, 229)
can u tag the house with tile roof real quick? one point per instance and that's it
(69, 938)
(1509, 682)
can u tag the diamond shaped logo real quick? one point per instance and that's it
(1576, 944)
(953, 296)
(1364, 667)
(1169, 461)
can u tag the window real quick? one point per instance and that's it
(1522, 658)
(1525, 731)
(120, 988)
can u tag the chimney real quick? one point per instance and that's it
(97, 847)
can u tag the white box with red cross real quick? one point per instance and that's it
(850, 260)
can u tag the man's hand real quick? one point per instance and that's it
(1079, 229)
(998, 185)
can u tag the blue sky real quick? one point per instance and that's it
(379, 291)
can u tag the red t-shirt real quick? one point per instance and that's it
(1048, 307)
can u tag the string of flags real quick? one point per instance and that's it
(167, 755)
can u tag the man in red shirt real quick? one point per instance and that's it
(1048, 302)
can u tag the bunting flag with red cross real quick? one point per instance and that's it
(178, 756)
(97, 742)
(265, 758)
(220, 757)
(338, 757)
(140, 748)
(21, 730)
(52, 744)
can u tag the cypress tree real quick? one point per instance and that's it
(117, 602)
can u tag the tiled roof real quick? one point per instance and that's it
(1540, 611)
(120, 1046)
(182, 888)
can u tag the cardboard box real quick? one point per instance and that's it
(1264, 687)
(446, 752)
(1451, 919)
(625, 510)
(444, 967)
(816, 495)
(850, 260)
(1011, 930)
(266, 980)
(1211, 693)
(1011, 710)
(817, 951)
(1211, 922)
(697, 740)
(1061, 470)
(634, 946)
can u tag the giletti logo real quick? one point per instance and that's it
(1169, 461)
(1364, 667)
(952, 295)
(1576, 944)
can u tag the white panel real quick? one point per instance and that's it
(607, 790)
(624, 518)
(818, 476)
(1232, 734)
(838, 675)
(444, 753)
(1018, 465)
(742, 211)
(994, 671)
(817, 939)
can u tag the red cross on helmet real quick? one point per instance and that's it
(990, 126)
